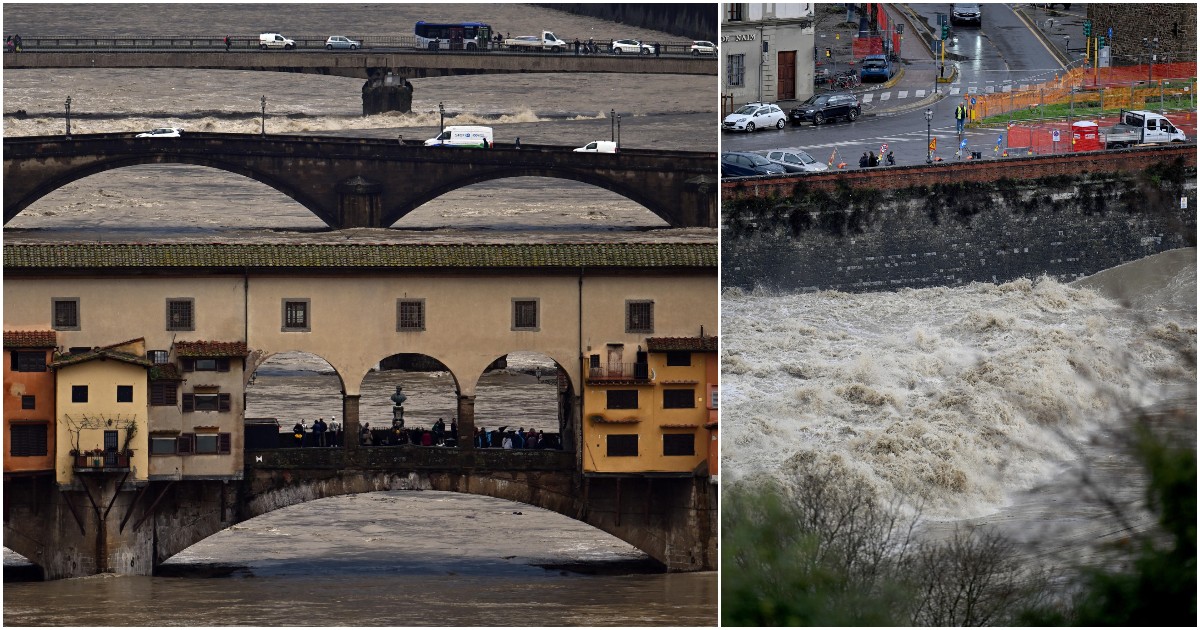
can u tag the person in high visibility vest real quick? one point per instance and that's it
(960, 116)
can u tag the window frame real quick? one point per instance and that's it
(537, 314)
(28, 401)
(674, 358)
(174, 445)
(191, 313)
(401, 303)
(21, 360)
(125, 391)
(78, 392)
(283, 311)
(735, 12)
(17, 445)
(668, 438)
(609, 399)
(54, 302)
(674, 396)
(630, 305)
(615, 440)
(735, 70)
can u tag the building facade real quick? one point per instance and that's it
(767, 52)
(29, 436)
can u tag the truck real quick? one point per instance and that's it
(548, 41)
(275, 40)
(1141, 127)
(462, 136)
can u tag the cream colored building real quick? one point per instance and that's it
(354, 305)
(784, 69)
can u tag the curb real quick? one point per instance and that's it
(925, 102)
(1063, 60)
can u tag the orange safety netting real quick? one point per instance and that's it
(1038, 138)
(1124, 87)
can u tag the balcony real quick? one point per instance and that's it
(636, 372)
(102, 461)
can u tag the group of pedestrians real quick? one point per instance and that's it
(12, 43)
(398, 434)
(869, 159)
(519, 439)
(323, 433)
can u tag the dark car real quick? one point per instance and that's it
(740, 164)
(823, 107)
(966, 14)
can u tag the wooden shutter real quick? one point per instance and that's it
(189, 402)
(224, 442)
(189, 364)
(223, 402)
(187, 443)
(223, 364)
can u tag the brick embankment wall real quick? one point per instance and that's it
(945, 234)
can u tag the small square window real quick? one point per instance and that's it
(296, 315)
(410, 315)
(679, 358)
(28, 402)
(79, 393)
(622, 399)
(679, 399)
(623, 445)
(28, 440)
(639, 316)
(124, 393)
(66, 313)
(525, 314)
(679, 444)
(158, 357)
(181, 314)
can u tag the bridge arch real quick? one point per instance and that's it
(394, 212)
(533, 392)
(432, 389)
(291, 385)
(64, 178)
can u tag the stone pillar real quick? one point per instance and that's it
(466, 422)
(386, 93)
(698, 203)
(350, 421)
(359, 203)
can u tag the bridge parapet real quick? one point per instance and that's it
(410, 458)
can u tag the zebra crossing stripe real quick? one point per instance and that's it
(867, 98)
(920, 94)
(885, 96)
(902, 94)
(953, 91)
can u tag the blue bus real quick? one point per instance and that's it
(455, 36)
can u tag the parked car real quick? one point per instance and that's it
(631, 46)
(827, 107)
(753, 116)
(966, 14)
(741, 164)
(703, 48)
(275, 40)
(796, 161)
(338, 41)
(162, 132)
(876, 68)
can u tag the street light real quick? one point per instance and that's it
(618, 131)
(68, 116)
(612, 121)
(263, 131)
(442, 117)
(928, 139)
(1151, 45)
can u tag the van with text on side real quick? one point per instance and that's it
(462, 136)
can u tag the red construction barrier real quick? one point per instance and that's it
(1039, 136)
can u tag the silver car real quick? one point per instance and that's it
(338, 41)
(795, 161)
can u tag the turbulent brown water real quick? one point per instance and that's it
(390, 558)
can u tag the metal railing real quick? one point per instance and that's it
(619, 371)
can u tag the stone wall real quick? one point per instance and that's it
(1173, 24)
(867, 239)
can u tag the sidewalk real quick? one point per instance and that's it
(913, 86)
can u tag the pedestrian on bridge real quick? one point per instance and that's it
(319, 428)
(227, 43)
(298, 433)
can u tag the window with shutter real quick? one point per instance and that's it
(224, 403)
(679, 444)
(188, 365)
(623, 445)
(28, 361)
(223, 364)
(525, 314)
(679, 399)
(189, 402)
(187, 443)
(28, 440)
(163, 393)
(622, 399)
(224, 443)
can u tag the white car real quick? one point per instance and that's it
(796, 161)
(338, 41)
(162, 132)
(753, 116)
(631, 46)
(703, 48)
(275, 40)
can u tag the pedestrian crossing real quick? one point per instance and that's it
(948, 142)
(954, 90)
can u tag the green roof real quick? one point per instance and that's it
(374, 256)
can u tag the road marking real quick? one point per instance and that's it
(885, 96)
(867, 98)
(920, 94)
(953, 91)
(902, 94)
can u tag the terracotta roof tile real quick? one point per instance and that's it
(679, 425)
(100, 353)
(363, 256)
(30, 339)
(211, 349)
(690, 344)
(165, 372)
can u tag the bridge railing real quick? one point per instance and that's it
(242, 43)
(405, 458)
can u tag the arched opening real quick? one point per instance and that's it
(430, 393)
(540, 204)
(290, 388)
(156, 201)
(524, 393)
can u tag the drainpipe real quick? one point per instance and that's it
(245, 338)
(578, 432)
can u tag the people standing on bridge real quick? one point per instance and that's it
(298, 433)
(960, 116)
(891, 159)
(507, 442)
(454, 429)
(227, 43)
(518, 142)
(426, 438)
(17, 42)
(439, 432)
(319, 428)
(657, 49)
(9, 46)
(864, 161)
(576, 46)
(334, 427)
(531, 440)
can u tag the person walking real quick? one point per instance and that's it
(960, 116)
(227, 43)
(576, 46)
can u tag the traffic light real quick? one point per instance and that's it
(828, 52)
(945, 31)
(1102, 41)
(1087, 28)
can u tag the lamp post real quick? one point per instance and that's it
(1151, 45)
(928, 138)
(68, 116)
(442, 117)
(263, 131)
(612, 122)
(618, 131)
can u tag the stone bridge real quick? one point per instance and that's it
(360, 182)
(91, 527)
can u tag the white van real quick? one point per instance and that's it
(599, 146)
(275, 40)
(463, 136)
